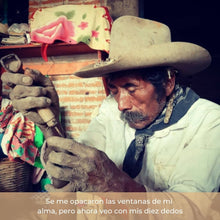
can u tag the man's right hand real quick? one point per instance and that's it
(32, 91)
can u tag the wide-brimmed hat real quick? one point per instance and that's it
(142, 43)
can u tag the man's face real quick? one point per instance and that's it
(137, 100)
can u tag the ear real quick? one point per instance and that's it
(170, 84)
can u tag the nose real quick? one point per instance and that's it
(124, 101)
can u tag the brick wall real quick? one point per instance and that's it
(79, 99)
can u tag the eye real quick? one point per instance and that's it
(131, 90)
(131, 87)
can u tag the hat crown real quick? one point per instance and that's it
(130, 35)
(141, 43)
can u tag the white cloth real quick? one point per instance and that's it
(184, 157)
(72, 24)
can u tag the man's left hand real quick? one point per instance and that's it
(85, 168)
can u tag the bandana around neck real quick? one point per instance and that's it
(183, 100)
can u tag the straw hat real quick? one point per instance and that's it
(142, 43)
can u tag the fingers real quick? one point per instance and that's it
(75, 162)
(29, 77)
(16, 79)
(65, 173)
(72, 146)
(64, 159)
(38, 77)
(24, 91)
(25, 98)
(30, 103)
(70, 187)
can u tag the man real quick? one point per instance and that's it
(150, 133)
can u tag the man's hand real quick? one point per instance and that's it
(32, 91)
(85, 168)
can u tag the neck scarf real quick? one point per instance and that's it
(183, 100)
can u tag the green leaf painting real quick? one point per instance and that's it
(84, 16)
(68, 15)
(85, 39)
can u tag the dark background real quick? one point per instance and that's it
(16, 11)
(196, 22)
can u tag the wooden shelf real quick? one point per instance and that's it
(57, 56)
(56, 49)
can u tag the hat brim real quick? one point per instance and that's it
(187, 58)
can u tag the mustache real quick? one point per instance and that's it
(133, 117)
